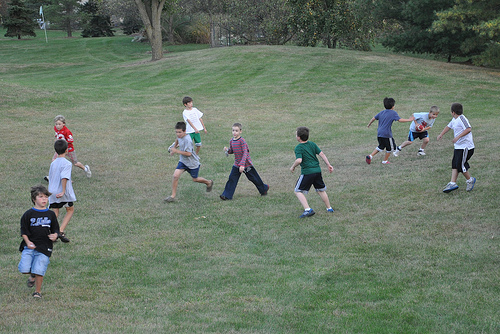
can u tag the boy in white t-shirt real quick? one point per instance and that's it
(418, 130)
(464, 148)
(194, 122)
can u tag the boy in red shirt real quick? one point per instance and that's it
(62, 132)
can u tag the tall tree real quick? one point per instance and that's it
(411, 22)
(150, 12)
(20, 20)
(479, 21)
(63, 13)
(95, 23)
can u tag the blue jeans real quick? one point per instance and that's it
(251, 175)
(33, 262)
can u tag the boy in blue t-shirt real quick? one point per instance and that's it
(384, 132)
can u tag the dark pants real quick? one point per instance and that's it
(251, 175)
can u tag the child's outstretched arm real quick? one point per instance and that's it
(371, 121)
(446, 129)
(403, 120)
(325, 159)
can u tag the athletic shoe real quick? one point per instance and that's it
(450, 187)
(209, 187)
(37, 295)
(386, 162)
(470, 185)
(307, 213)
(224, 198)
(420, 152)
(264, 194)
(330, 210)
(46, 178)
(169, 199)
(368, 159)
(87, 171)
(396, 151)
(63, 237)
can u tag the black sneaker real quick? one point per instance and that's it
(63, 237)
(37, 295)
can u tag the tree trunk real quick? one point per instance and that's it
(171, 38)
(151, 18)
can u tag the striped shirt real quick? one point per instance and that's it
(239, 148)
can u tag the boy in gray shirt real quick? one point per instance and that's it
(188, 161)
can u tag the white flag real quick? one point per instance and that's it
(41, 11)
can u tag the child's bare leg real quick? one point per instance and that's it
(80, 165)
(302, 199)
(175, 181)
(406, 143)
(425, 141)
(38, 283)
(454, 175)
(201, 180)
(387, 155)
(198, 149)
(467, 175)
(56, 211)
(67, 217)
(375, 151)
(324, 197)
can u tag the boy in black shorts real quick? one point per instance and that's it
(61, 186)
(464, 148)
(305, 153)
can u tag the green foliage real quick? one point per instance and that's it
(94, 22)
(414, 20)
(20, 20)
(332, 22)
(131, 24)
(257, 21)
(479, 21)
(63, 14)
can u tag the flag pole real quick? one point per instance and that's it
(44, 25)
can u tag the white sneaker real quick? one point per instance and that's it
(87, 171)
(396, 151)
(470, 184)
(421, 152)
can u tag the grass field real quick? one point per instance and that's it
(397, 256)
